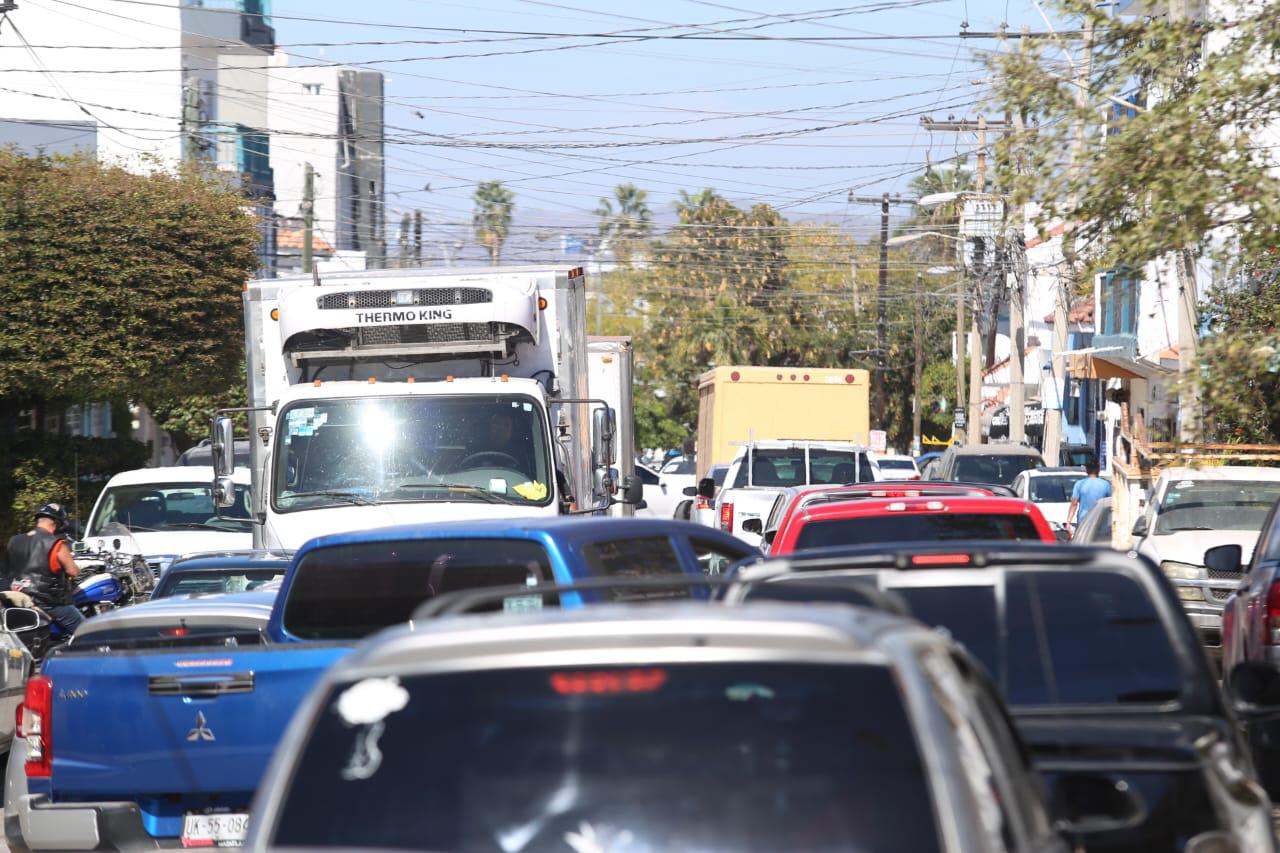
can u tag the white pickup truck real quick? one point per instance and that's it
(764, 468)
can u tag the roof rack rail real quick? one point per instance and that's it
(464, 600)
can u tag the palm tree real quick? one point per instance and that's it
(626, 224)
(491, 217)
(689, 204)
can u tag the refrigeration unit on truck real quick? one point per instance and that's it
(609, 360)
(742, 404)
(395, 396)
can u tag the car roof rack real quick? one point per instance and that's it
(945, 555)
(853, 593)
(464, 600)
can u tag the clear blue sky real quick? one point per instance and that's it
(739, 95)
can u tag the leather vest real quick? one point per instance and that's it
(29, 568)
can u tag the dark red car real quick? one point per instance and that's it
(916, 519)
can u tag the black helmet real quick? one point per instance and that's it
(55, 512)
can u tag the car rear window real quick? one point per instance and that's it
(1069, 638)
(1053, 490)
(993, 469)
(897, 464)
(752, 757)
(642, 557)
(783, 467)
(922, 527)
(346, 592)
(215, 582)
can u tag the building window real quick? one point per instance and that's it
(1119, 304)
(311, 88)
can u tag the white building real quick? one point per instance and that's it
(330, 118)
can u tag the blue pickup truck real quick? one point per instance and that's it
(150, 732)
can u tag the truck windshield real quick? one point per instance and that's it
(411, 449)
(783, 467)
(167, 506)
(748, 757)
(1216, 505)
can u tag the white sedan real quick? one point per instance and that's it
(1050, 490)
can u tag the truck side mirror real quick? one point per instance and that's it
(1254, 687)
(223, 446)
(603, 429)
(1141, 526)
(633, 491)
(753, 525)
(706, 488)
(1225, 558)
(224, 492)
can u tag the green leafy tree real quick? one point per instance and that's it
(491, 217)
(117, 288)
(1177, 175)
(625, 220)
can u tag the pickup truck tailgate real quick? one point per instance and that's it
(199, 721)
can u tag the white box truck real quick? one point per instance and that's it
(609, 362)
(398, 396)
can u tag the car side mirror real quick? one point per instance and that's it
(1141, 527)
(753, 525)
(223, 446)
(1087, 803)
(1225, 558)
(706, 488)
(1254, 688)
(689, 491)
(769, 536)
(22, 619)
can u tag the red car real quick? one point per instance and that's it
(792, 500)
(922, 519)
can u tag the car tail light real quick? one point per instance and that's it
(36, 726)
(726, 517)
(1271, 626)
(608, 681)
(941, 560)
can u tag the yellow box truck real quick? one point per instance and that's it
(738, 404)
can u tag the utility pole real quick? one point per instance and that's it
(1015, 254)
(961, 435)
(1188, 316)
(417, 238)
(1066, 284)
(878, 402)
(978, 126)
(308, 215)
(919, 366)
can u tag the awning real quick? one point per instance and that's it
(1091, 366)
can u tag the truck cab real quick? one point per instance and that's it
(388, 397)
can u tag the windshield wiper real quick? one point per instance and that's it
(1193, 527)
(465, 488)
(193, 525)
(349, 497)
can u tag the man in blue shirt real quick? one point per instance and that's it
(1085, 493)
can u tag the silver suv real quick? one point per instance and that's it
(655, 726)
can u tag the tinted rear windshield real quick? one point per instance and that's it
(1053, 490)
(214, 582)
(760, 757)
(992, 469)
(784, 467)
(1070, 638)
(921, 527)
(350, 591)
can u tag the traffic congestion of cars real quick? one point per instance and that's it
(443, 604)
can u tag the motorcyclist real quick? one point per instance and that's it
(40, 565)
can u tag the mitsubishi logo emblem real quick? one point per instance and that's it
(201, 731)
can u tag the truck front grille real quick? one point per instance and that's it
(421, 296)
(428, 334)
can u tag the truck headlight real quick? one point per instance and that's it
(1183, 571)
